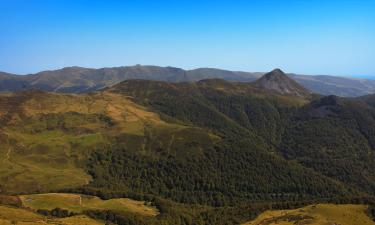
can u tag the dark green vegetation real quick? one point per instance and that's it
(335, 137)
(83, 80)
(209, 152)
(371, 212)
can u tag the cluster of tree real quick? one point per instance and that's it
(221, 176)
(371, 212)
(56, 212)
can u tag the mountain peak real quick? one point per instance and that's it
(276, 73)
(278, 81)
(277, 70)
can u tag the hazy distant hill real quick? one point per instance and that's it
(333, 85)
(80, 80)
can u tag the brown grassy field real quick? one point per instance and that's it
(321, 214)
(11, 216)
(25, 212)
(46, 136)
(78, 203)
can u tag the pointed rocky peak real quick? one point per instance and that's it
(275, 73)
(279, 82)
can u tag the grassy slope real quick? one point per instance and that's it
(79, 203)
(321, 214)
(10, 215)
(45, 137)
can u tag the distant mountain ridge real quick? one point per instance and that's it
(82, 80)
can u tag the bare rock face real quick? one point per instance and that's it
(279, 82)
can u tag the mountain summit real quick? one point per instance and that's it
(278, 81)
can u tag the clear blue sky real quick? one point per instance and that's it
(302, 36)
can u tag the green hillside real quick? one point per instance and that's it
(47, 138)
(335, 137)
(331, 135)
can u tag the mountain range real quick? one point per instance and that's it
(202, 152)
(83, 80)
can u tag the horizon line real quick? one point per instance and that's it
(356, 76)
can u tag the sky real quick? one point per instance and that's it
(335, 37)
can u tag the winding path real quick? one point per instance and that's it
(7, 155)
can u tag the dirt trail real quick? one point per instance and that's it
(80, 200)
(7, 155)
(170, 143)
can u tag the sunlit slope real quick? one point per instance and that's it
(46, 137)
(321, 214)
(10, 215)
(79, 203)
